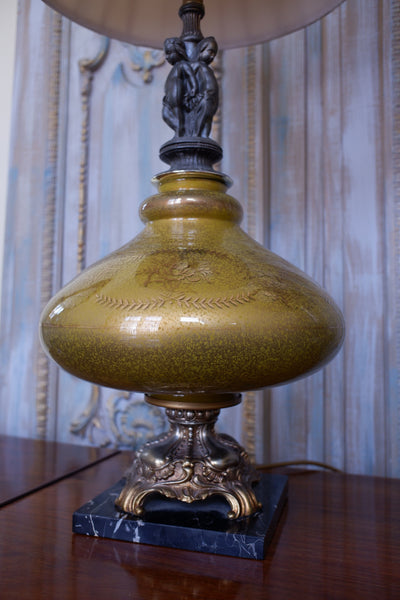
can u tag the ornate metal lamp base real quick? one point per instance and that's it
(192, 462)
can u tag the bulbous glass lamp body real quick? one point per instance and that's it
(192, 306)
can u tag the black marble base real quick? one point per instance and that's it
(200, 526)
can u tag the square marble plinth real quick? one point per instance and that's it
(200, 526)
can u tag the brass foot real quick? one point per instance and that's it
(192, 462)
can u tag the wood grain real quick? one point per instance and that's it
(27, 465)
(339, 538)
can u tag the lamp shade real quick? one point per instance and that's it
(233, 22)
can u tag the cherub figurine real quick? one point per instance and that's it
(207, 87)
(180, 87)
(191, 89)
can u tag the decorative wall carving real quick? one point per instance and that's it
(116, 418)
(144, 61)
(49, 225)
(253, 402)
(87, 68)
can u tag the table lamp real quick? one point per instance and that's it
(193, 311)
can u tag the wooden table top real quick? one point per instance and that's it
(27, 465)
(339, 537)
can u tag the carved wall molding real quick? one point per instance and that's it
(251, 400)
(144, 60)
(100, 422)
(89, 419)
(88, 68)
(49, 226)
(251, 161)
(116, 418)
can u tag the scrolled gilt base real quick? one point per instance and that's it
(192, 462)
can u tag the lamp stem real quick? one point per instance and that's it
(191, 12)
(191, 95)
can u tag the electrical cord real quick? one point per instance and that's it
(297, 463)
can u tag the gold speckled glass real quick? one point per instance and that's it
(192, 306)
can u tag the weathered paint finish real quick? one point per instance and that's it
(340, 157)
(318, 113)
(32, 174)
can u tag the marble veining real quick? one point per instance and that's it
(202, 526)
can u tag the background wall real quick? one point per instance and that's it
(310, 130)
(8, 28)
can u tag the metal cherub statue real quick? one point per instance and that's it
(191, 89)
(191, 95)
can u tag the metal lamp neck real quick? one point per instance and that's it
(191, 13)
(191, 95)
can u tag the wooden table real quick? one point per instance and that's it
(28, 465)
(339, 537)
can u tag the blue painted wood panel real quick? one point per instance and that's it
(307, 125)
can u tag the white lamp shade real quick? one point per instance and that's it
(232, 22)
